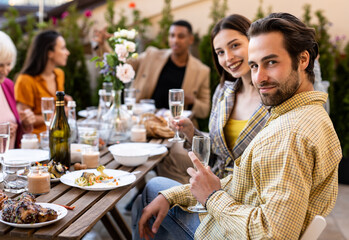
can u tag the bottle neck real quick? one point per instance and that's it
(60, 105)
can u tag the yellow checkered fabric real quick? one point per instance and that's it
(286, 176)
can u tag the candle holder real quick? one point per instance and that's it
(39, 180)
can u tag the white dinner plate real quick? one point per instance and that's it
(32, 155)
(154, 148)
(61, 211)
(69, 179)
(83, 113)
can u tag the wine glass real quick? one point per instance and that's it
(130, 99)
(201, 148)
(47, 109)
(176, 103)
(4, 141)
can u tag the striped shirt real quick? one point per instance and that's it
(286, 176)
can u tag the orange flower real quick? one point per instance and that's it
(132, 5)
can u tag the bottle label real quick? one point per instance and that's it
(59, 103)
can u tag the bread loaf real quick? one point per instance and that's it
(156, 126)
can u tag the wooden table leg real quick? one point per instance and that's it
(121, 223)
(110, 228)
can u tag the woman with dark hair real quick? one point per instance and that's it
(237, 113)
(20, 122)
(40, 76)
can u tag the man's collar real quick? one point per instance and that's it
(298, 100)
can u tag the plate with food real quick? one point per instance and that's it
(24, 212)
(56, 170)
(99, 179)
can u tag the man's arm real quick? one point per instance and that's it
(282, 180)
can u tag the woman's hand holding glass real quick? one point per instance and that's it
(185, 126)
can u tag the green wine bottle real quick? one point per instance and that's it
(60, 134)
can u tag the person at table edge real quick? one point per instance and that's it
(40, 75)
(158, 70)
(288, 173)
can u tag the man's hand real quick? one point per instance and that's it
(203, 181)
(157, 208)
(184, 125)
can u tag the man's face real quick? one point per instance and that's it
(179, 39)
(271, 69)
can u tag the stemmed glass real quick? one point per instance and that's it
(176, 103)
(4, 141)
(47, 109)
(201, 147)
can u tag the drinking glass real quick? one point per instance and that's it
(108, 94)
(176, 103)
(130, 99)
(14, 172)
(4, 141)
(47, 109)
(201, 147)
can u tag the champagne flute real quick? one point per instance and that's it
(4, 141)
(47, 109)
(176, 103)
(201, 148)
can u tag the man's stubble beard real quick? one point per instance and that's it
(282, 93)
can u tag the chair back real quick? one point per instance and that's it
(314, 229)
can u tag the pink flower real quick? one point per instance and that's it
(125, 72)
(54, 20)
(64, 14)
(88, 13)
(121, 51)
(132, 5)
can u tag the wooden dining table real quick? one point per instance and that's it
(90, 206)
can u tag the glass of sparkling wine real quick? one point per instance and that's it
(201, 147)
(4, 142)
(130, 99)
(176, 103)
(47, 109)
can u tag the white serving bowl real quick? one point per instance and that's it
(131, 157)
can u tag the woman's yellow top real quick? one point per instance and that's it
(232, 131)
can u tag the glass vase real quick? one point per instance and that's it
(118, 120)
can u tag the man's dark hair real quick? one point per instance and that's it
(297, 37)
(183, 23)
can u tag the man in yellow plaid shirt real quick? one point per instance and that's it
(288, 173)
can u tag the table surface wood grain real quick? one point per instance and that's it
(90, 206)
